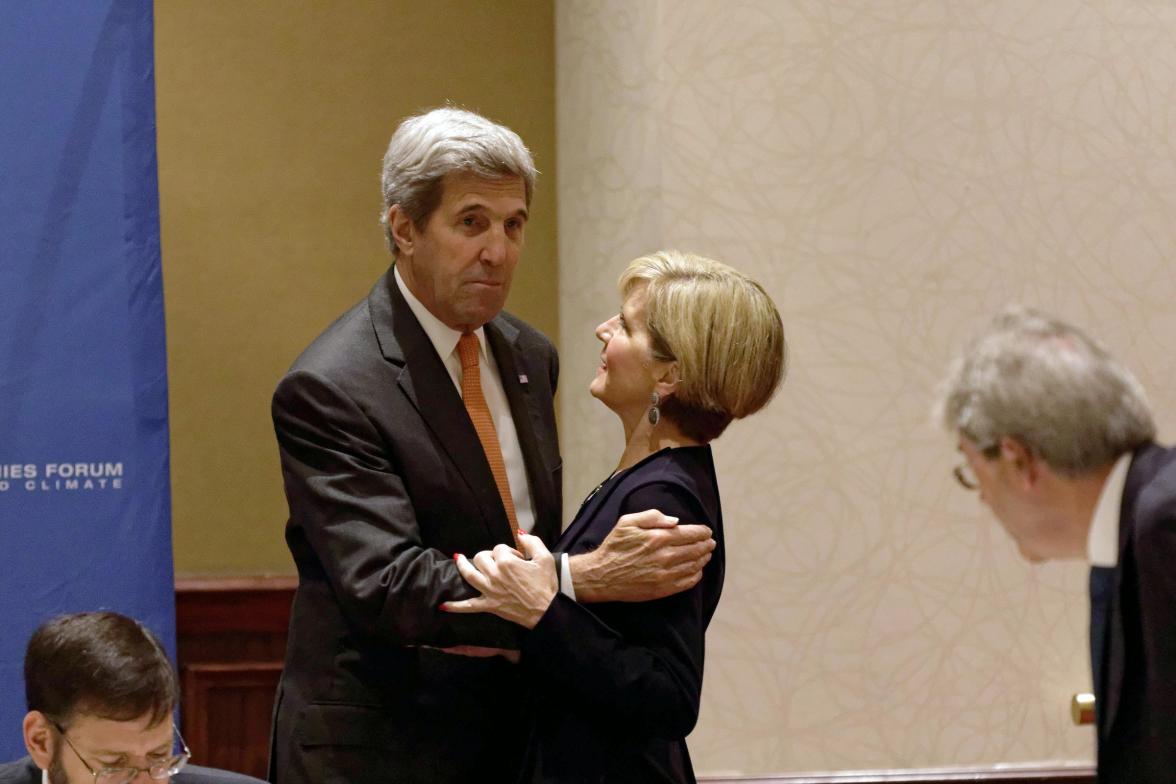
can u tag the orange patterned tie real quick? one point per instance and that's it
(475, 403)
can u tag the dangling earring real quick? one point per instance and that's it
(654, 413)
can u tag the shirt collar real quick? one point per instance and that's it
(443, 337)
(1102, 543)
(44, 777)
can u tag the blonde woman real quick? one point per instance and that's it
(696, 345)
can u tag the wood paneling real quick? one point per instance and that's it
(231, 635)
(227, 711)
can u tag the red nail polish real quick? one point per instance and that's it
(442, 606)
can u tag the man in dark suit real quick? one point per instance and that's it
(101, 693)
(419, 425)
(1058, 438)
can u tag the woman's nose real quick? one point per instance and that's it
(604, 331)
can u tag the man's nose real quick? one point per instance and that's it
(495, 248)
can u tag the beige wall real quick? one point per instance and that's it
(893, 172)
(273, 117)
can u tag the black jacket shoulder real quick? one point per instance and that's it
(21, 771)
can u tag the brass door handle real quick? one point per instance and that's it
(1082, 708)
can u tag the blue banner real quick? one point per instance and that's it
(85, 503)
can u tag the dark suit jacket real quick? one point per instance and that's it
(621, 683)
(23, 771)
(386, 480)
(1136, 698)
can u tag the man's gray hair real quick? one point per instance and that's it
(1046, 384)
(428, 146)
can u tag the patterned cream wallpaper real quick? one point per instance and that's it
(893, 172)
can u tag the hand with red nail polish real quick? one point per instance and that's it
(517, 585)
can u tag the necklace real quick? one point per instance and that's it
(596, 489)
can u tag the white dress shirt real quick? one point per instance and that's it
(1102, 543)
(444, 340)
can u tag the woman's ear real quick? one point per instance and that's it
(668, 376)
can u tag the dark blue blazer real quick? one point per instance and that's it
(621, 682)
(1133, 630)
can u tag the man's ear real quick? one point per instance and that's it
(38, 738)
(403, 230)
(1020, 460)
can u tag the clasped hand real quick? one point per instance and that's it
(517, 586)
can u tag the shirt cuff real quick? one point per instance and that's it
(565, 578)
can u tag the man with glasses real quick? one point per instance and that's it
(101, 696)
(1058, 439)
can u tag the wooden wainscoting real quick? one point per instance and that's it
(232, 640)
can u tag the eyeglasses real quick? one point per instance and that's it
(966, 476)
(159, 771)
(964, 473)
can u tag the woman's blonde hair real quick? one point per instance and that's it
(723, 330)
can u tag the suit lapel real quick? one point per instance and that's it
(423, 375)
(512, 369)
(1102, 588)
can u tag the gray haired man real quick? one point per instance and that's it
(419, 425)
(1058, 439)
